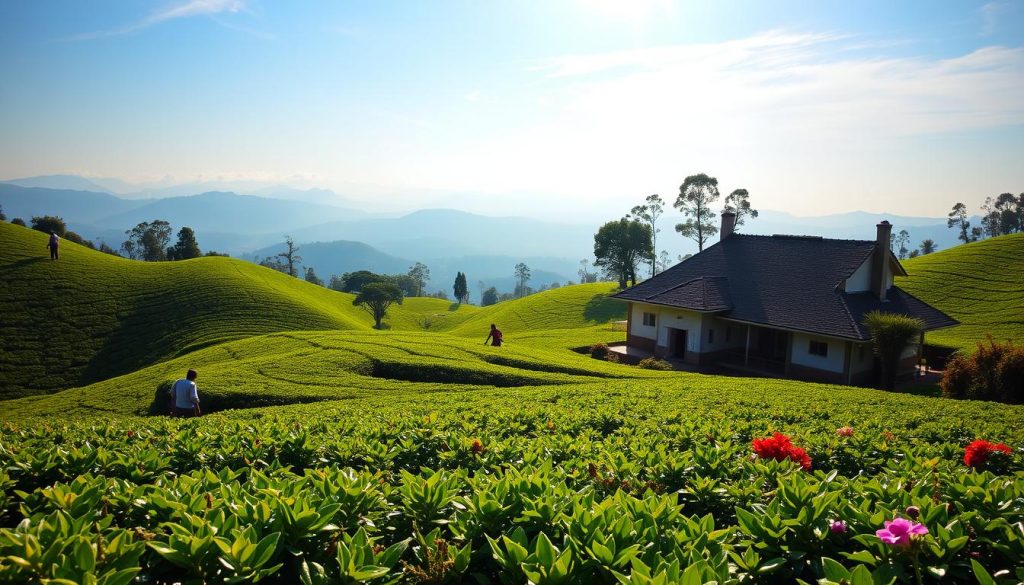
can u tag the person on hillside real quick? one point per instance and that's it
(53, 244)
(494, 336)
(186, 396)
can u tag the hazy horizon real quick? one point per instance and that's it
(576, 109)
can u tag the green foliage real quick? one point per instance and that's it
(489, 297)
(696, 195)
(653, 363)
(891, 334)
(994, 372)
(186, 247)
(979, 284)
(18, 222)
(49, 224)
(376, 298)
(148, 241)
(620, 246)
(461, 289)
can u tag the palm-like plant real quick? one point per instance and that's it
(891, 334)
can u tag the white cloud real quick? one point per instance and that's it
(788, 113)
(183, 10)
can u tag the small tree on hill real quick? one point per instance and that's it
(619, 246)
(420, 274)
(460, 288)
(18, 221)
(696, 195)
(2, 216)
(958, 219)
(927, 247)
(376, 298)
(148, 241)
(78, 239)
(522, 273)
(649, 213)
(891, 334)
(290, 258)
(489, 297)
(312, 278)
(49, 224)
(186, 246)
(586, 275)
(900, 243)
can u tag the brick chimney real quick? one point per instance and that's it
(880, 262)
(728, 224)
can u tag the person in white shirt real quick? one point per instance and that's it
(186, 396)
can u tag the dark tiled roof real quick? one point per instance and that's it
(780, 281)
(701, 294)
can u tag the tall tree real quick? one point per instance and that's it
(958, 219)
(696, 195)
(460, 288)
(312, 278)
(619, 246)
(148, 241)
(664, 261)
(649, 213)
(49, 224)
(1007, 207)
(522, 273)
(2, 216)
(901, 242)
(738, 202)
(420, 274)
(376, 298)
(927, 247)
(186, 246)
(290, 257)
(481, 285)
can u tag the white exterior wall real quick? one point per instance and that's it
(665, 319)
(680, 319)
(860, 280)
(736, 339)
(833, 362)
(636, 321)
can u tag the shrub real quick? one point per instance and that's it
(653, 363)
(18, 221)
(994, 372)
(599, 351)
(49, 224)
(891, 334)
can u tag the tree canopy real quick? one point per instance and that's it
(738, 202)
(522, 273)
(420, 275)
(148, 241)
(186, 247)
(696, 195)
(619, 246)
(461, 288)
(49, 224)
(376, 298)
(649, 213)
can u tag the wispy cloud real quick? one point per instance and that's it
(991, 13)
(183, 10)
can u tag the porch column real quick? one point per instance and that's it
(920, 355)
(789, 351)
(848, 362)
(746, 352)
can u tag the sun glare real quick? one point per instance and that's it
(632, 11)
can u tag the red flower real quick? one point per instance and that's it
(780, 448)
(477, 447)
(977, 453)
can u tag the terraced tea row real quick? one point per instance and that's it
(979, 284)
(552, 484)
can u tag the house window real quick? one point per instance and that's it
(711, 335)
(649, 319)
(819, 348)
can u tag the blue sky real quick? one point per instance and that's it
(577, 107)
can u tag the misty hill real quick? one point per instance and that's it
(59, 182)
(448, 232)
(81, 207)
(339, 257)
(229, 212)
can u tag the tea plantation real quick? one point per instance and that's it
(979, 284)
(334, 453)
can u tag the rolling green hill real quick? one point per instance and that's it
(90, 316)
(979, 284)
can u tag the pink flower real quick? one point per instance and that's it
(898, 532)
(838, 527)
(845, 431)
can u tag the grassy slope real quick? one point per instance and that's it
(91, 316)
(979, 284)
(299, 367)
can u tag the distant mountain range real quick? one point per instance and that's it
(337, 239)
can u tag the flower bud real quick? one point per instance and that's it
(913, 512)
(838, 527)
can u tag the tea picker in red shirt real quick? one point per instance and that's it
(494, 336)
